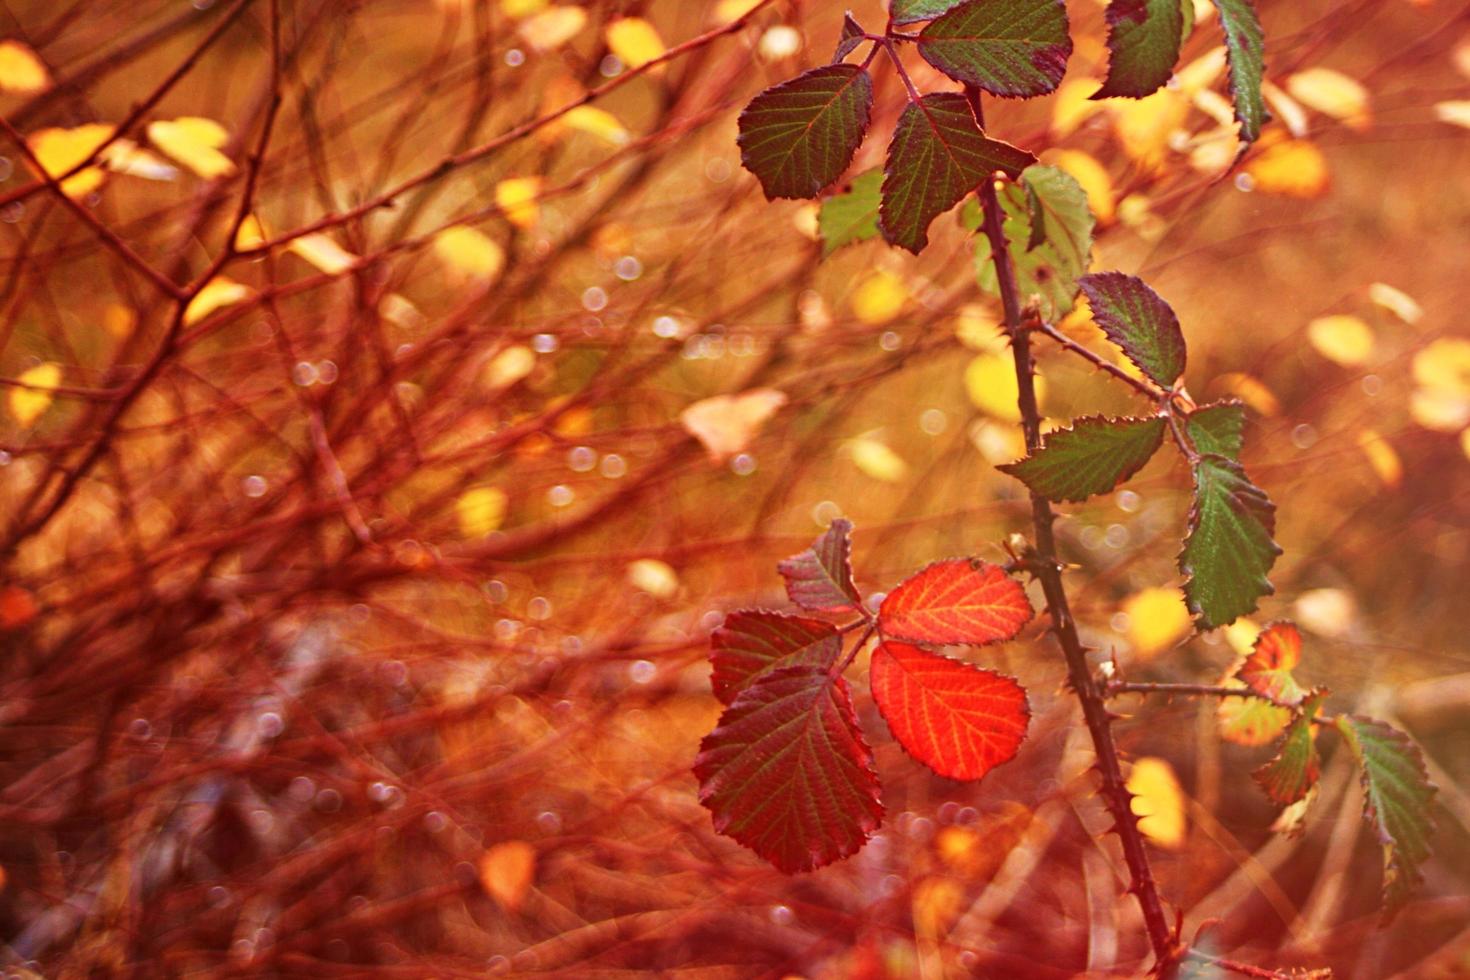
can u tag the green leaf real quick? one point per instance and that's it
(851, 216)
(849, 39)
(1144, 37)
(1139, 321)
(1245, 45)
(1228, 549)
(1048, 270)
(798, 137)
(938, 155)
(1293, 771)
(1006, 47)
(1186, 27)
(913, 11)
(1218, 428)
(1092, 457)
(1397, 796)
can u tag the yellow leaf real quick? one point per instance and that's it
(877, 460)
(20, 69)
(1241, 635)
(194, 142)
(1144, 126)
(596, 122)
(1456, 112)
(509, 366)
(470, 253)
(1202, 72)
(1444, 364)
(1073, 105)
(1333, 94)
(516, 9)
(1286, 109)
(1395, 301)
(1440, 409)
(480, 511)
(1249, 721)
(58, 150)
(399, 309)
(1326, 612)
(516, 198)
(1292, 168)
(323, 253)
(507, 871)
(1250, 390)
(726, 424)
(990, 381)
(252, 234)
(1214, 151)
(219, 292)
(123, 156)
(119, 320)
(1159, 800)
(978, 328)
(655, 577)
(731, 10)
(551, 28)
(1340, 338)
(805, 219)
(1157, 620)
(1382, 457)
(634, 40)
(29, 403)
(1093, 177)
(879, 298)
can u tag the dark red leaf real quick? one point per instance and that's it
(961, 600)
(753, 641)
(820, 578)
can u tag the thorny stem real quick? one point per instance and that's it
(1089, 691)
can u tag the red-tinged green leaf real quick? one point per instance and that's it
(1048, 258)
(1267, 669)
(798, 137)
(1245, 46)
(1139, 321)
(1144, 37)
(1218, 428)
(1250, 721)
(849, 39)
(851, 216)
(913, 11)
(754, 641)
(820, 578)
(938, 155)
(957, 719)
(787, 773)
(1293, 771)
(1006, 47)
(960, 600)
(1228, 549)
(1092, 457)
(1397, 797)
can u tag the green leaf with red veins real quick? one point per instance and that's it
(1218, 428)
(913, 11)
(1006, 47)
(1139, 321)
(938, 155)
(849, 39)
(754, 641)
(1144, 37)
(1092, 457)
(787, 773)
(798, 137)
(1245, 46)
(1228, 549)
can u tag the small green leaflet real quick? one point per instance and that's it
(1245, 45)
(938, 155)
(1144, 37)
(849, 39)
(1218, 428)
(851, 216)
(1050, 269)
(913, 11)
(1397, 796)
(798, 137)
(1006, 47)
(1092, 457)
(1228, 549)
(1292, 773)
(1139, 321)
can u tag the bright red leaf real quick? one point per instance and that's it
(753, 641)
(960, 600)
(956, 718)
(787, 772)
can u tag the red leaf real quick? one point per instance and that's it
(820, 578)
(753, 641)
(956, 718)
(787, 772)
(1267, 670)
(961, 600)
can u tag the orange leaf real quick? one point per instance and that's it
(961, 600)
(1268, 668)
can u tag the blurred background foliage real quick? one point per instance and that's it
(355, 617)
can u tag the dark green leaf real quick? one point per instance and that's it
(1397, 796)
(1143, 39)
(799, 136)
(1245, 44)
(851, 216)
(849, 39)
(1218, 428)
(938, 155)
(1006, 47)
(820, 578)
(1293, 771)
(1139, 321)
(1229, 549)
(1048, 270)
(753, 642)
(913, 11)
(1092, 457)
